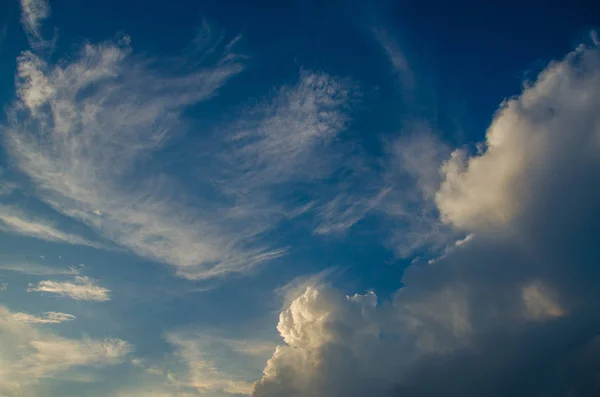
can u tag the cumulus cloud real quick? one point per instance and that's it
(28, 354)
(510, 311)
(81, 288)
(45, 318)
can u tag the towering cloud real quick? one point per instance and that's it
(511, 311)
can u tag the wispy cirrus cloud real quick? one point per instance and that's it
(29, 354)
(14, 220)
(33, 13)
(45, 318)
(399, 191)
(81, 288)
(210, 361)
(396, 57)
(36, 269)
(82, 130)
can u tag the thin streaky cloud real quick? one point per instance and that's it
(33, 12)
(36, 269)
(210, 361)
(15, 221)
(44, 318)
(81, 289)
(396, 57)
(85, 170)
(30, 353)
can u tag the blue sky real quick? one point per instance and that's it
(299, 198)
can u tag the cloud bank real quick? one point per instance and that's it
(513, 309)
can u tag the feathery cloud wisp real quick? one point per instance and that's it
(82, 288)
(33, 13)
(29, 354)
(45, 318)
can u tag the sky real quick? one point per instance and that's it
(310, 198)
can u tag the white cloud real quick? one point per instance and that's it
(33, 13)
(288, 140)
(28, 354)
(332, 348)
(98, 116)
(35, 269)
(81, 288)
(81, 131)
(217, 364)
(45, 318)
(527, 142)
(396, 57)
(13, 220)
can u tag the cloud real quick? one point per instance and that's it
(28, 354)
(396, 57)
(80, 131)
(83, 130)
(494, 188)
(82, 288)
(510, 312)
(331, 347)
(217, 364)
(287, 140)
(13, 220)
(35, 269)
(399, 192)
(45, 318)
(33, 13)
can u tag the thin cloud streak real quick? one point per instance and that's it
(45, 318)
(15, 221)
(81, 288)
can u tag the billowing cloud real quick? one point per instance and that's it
(81, 288)
(512, 309)
(45, 318)
(28, 354)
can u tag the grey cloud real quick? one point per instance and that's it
(513, 310)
